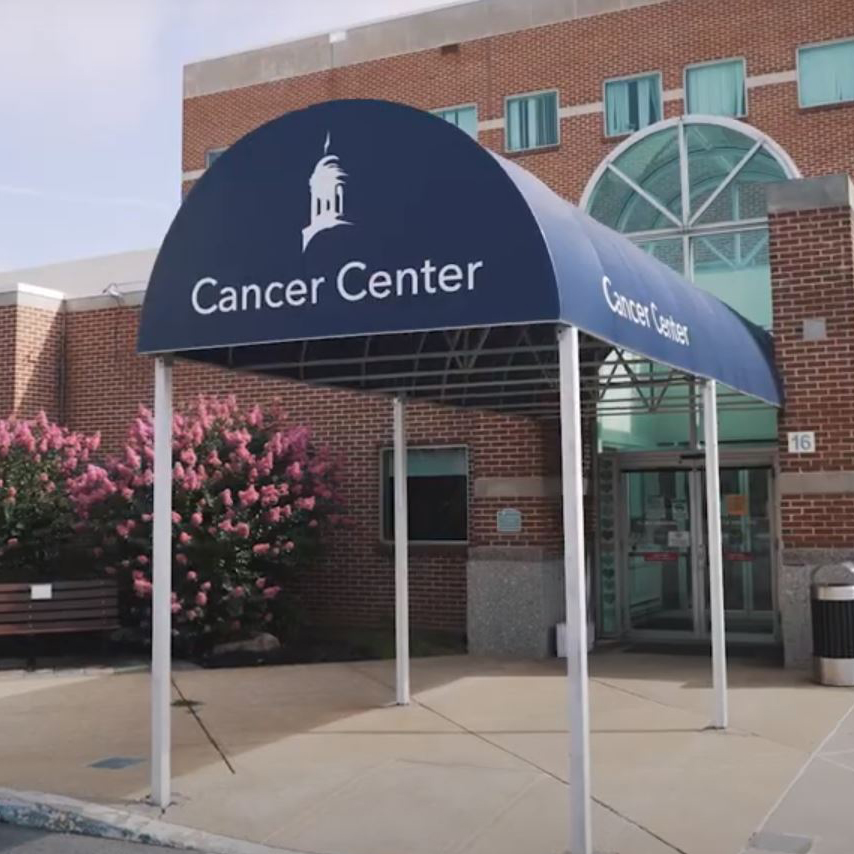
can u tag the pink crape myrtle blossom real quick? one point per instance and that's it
(253, 498)
(48, 480)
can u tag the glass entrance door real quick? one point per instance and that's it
(659, 582)
(665, 582)
(747, 545)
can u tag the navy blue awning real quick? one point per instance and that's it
(371, 245)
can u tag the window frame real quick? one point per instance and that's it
(384, 449)
(218, 152)
(641, 74)
(802, 47)
(685, 105)
(469, 106)
(518, 95)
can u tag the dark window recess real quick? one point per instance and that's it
(438, 502)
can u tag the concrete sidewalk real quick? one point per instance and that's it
(307, 758)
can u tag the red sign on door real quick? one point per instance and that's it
(661, 557)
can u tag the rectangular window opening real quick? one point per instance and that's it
(826, 74)
(632, 103)
(531, 121)
(211, 156)
(437, 491)
(465, 118)
(716, 89)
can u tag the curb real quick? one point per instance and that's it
(60, 814)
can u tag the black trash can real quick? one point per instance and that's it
(833, 626)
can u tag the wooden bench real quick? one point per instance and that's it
(67, 606)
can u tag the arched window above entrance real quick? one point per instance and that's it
(690, 191)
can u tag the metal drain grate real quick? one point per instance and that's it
(115, 763)
(779, 843)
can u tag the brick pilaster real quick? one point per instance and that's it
(812, 268)
(812, 272)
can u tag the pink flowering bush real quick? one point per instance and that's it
(40, 463)
(252, 498)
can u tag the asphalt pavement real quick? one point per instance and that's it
(19, 840)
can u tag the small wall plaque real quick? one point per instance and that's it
(41, 591)
(509, 521)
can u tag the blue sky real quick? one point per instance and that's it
(90, 109)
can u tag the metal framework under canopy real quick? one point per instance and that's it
(509, 369)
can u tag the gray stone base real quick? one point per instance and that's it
(793, 585)
(515, 599)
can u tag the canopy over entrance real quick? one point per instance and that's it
(350, 244)
(369, 245)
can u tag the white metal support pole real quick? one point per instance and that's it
(161, 611)
(401, 555)
(580, 837)
(716, 573)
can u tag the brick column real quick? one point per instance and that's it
(812, 272)
(516, 579)
(515, 569)
(7, 356)
(31, 331)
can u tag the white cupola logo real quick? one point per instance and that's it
(327, 195)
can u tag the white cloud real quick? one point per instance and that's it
(84, 198)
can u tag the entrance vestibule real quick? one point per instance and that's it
(659, 589)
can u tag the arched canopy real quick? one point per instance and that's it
(421, 262)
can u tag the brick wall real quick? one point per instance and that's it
(30, 352)
(106, 381)
(575, 57)
(39, 383)
(812, 262)
(7, 359)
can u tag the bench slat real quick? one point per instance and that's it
(83, 584)
(40, 613)
(64, 614)
(64, 617)
(64, 627)
(49, 604)
(23, 592)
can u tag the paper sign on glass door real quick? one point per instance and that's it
(679, 539)
(679, 510)
(654, 507)
(735, 505)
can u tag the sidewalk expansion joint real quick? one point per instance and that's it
(603, 804)
(191, 708)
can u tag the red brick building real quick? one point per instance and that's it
(718, 136)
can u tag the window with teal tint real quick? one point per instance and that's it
(621, 423)
(734, 267)
(437, 493)
(826, 74)
(465, 118)
(716, 89)
(691, 193)
(531, 121)
(632, 103)
(211, 156)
